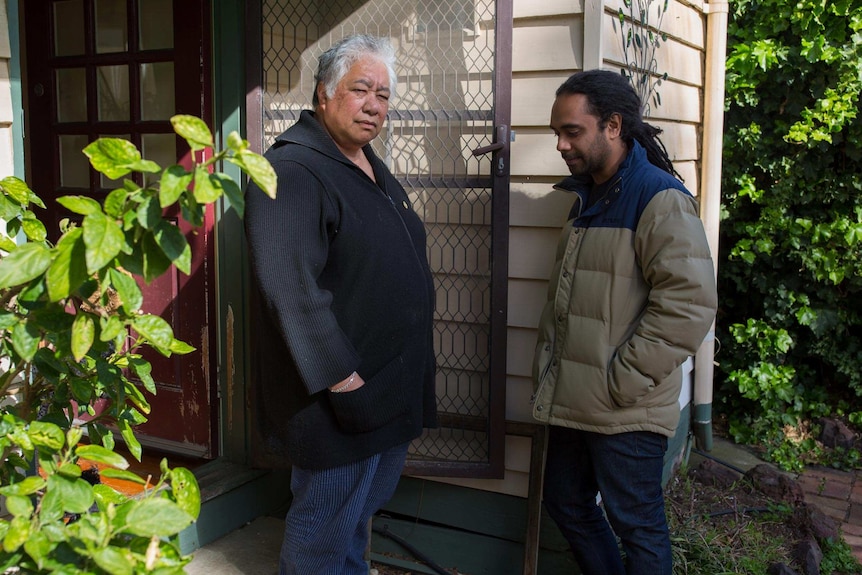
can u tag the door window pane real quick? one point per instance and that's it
(114, 105)
(156, 24)
(111, 26)
(72, 95)
(74, 165)
(69, 28)
(160, 148)
(157, 91)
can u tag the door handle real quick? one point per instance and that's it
(481, 151)
(502, 143)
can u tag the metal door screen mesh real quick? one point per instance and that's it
(443, 109)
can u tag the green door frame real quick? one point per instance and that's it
(232, 270)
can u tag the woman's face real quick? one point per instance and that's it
(355, 113)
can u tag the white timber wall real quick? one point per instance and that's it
(7, 167)
(551, 40)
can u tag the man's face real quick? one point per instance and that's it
(582, 144)
(354, 114)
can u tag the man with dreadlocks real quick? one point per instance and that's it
(632, 295)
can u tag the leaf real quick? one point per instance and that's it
(69, 268)
(155, 329)
(124, 475)
(112, 156)
(115, 203)
(128, 290)
(181, 347)
(204, 191)
(17, 189)
(80, 204)
(6, 243)
(16, 536)
(46, 435)
(157, 517)
(111, 328)
(83, 335)
(114, 561)
(82, 390)
(143, 369)
(19, 505)
(235, 142)
(26, 338)
(27, 486)
(174, 244)
(104, 240)
(106, 495)
(259, 170)
(70, 471)
(149, 212)
(233, 192)
(39, 547)
(175, 180)
(155, 263)
(132, 443)
(186, 492)
(33, 228)
(73, 436)
(75, 495)
(24, 264)
(100, 454)
(7, 319)
(193, 130)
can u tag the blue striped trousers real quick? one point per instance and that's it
(326, 528)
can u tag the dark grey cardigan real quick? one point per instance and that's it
(343, 284)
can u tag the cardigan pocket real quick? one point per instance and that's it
(379, 401)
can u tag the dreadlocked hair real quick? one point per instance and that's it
(610, 93)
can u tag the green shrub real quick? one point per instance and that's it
(790, 320)
(67, 310)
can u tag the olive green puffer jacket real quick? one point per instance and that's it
(631, 297)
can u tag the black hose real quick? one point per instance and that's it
(404, 543)
(719, 461)
(734, 511)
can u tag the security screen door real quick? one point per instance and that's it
(446, 140)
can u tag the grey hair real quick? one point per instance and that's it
(337, 61)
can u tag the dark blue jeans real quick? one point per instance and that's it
(326, 528)
(627, 469)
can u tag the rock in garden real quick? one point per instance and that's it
(835, 433)
(808, 555)
(818, 524)
(780, 569)
(775, 484)
(714, 474)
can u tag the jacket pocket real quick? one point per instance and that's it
(382, 399)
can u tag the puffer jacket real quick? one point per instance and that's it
(631, 297)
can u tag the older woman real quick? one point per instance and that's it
(344, 360)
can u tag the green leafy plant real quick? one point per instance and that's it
(641, 35)
(790, 261)
(71, 332)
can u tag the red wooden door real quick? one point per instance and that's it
(122, 68)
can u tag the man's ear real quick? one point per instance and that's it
(614, 125)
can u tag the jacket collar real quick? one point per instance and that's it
(581, 185)
(309, 133)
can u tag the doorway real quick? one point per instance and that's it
(123, 68)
